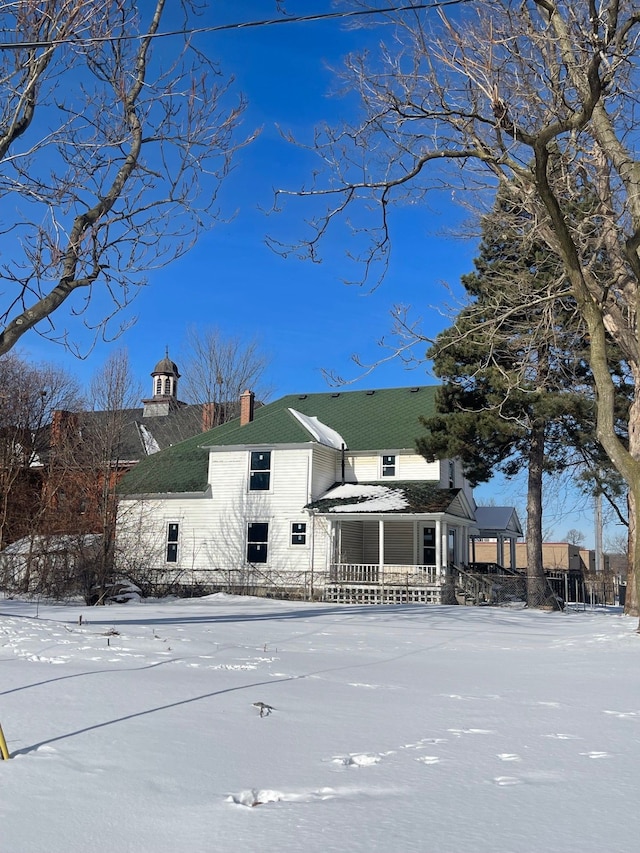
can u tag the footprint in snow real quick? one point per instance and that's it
(361, 759)
(260, 797)
(504, 781)
(595, 754)
(460, 732)
(561, 736)
(508, 756)
(428, 759)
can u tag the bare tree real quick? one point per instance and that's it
(114, 393)
(88, 455)
(538, 98)
(30, 395)
(575, 537)
(217, 369)
(112, 151)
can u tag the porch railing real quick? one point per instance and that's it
(373, 573)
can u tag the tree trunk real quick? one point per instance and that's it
(633, 570)
(536, 581)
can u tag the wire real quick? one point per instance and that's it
(296, 19)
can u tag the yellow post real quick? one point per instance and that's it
(3, 746)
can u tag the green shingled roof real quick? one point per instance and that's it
(385, 419)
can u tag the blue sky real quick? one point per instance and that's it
(305, 318)
(303, 314)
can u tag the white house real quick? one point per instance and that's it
(313, 494)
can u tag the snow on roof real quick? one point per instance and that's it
(148, 441)
(369, 498)
(321, 432)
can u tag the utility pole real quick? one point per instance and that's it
(598, 531)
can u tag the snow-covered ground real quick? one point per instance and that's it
(395, 729)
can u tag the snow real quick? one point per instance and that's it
(149, 443)
(322, 433)
(400, 729)
(369, 498)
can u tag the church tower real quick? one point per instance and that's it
(165, 377)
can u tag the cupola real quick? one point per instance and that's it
(164, 397)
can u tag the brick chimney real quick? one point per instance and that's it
(62, 424)
(246, 407)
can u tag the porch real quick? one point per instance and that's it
(389, 574)
(372, 583)
(393, 561)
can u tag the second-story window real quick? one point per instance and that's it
(260, 471)
(388, 466)
(452, 474)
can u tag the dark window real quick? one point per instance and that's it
(429, 546)
(388, 466)
(452, 474)
(299, 533)
(260, 472)
(173, 532)
(257, 541)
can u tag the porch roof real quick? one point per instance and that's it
(498, 521)
(399, 497)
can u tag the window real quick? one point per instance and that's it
(260, 471)
(158, 386)
(257, 541)
(452, 474)
(299, 533)
(388, 466)
(429, 546)
(173, 532)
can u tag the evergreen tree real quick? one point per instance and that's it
(517, 392)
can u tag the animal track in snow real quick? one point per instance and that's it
(427, 740)
(259, 797)
(460, 732)
(594, 754)
(490, 696)
(428, 759)
(359, 759)
(504, 781)
(561, 736)
(623, 715)
(509, 756)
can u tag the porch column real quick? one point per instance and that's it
(381, 544)
(512, 552)
(463, 555)
(444, 548)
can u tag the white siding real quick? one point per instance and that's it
(213, 528)
(326, 470)
(366, 467)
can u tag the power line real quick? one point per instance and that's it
(241, 25)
